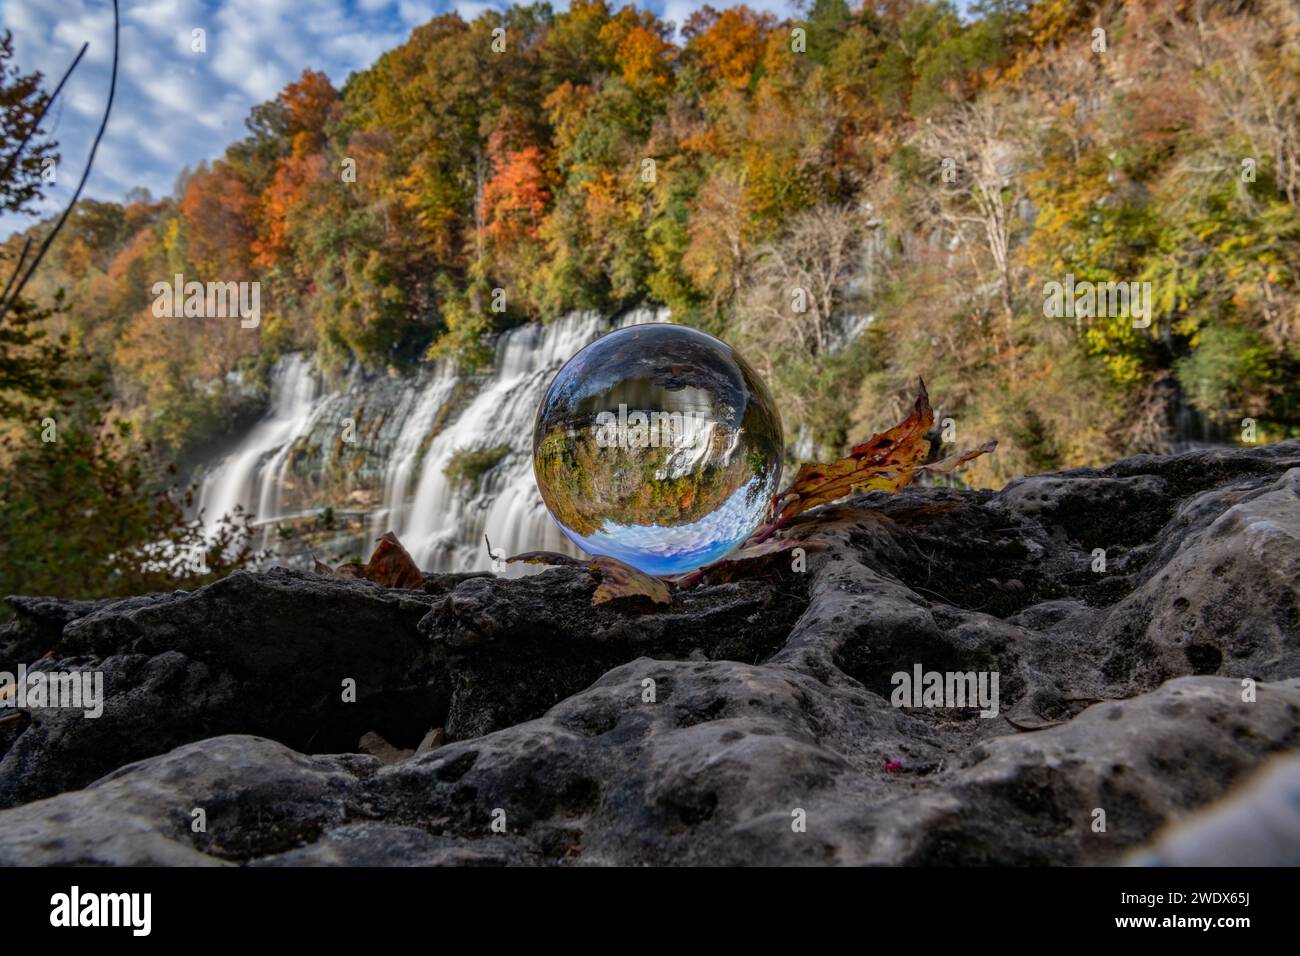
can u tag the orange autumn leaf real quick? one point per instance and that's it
(390, 566)
(885, 462)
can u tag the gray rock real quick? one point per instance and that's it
(37, 625)
(1227, 601)
(264, 654)
(750, 721)
(715, 771)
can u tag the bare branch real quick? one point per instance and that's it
(18, 151)
(90, 162)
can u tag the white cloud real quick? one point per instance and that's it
(165, 18)
(175, 108)
(472, 9)
(416, 12)
(86, 102)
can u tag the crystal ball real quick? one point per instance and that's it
(657, 445)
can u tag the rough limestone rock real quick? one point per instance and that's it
(750, 721)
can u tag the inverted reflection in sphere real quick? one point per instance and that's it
(657, 445)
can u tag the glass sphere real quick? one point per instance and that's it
(657, 445)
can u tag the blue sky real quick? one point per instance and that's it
(175, 108)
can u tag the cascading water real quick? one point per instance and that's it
(250, 476)
(420, 413)
(414, 429)
(443, 522)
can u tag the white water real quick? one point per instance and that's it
(252, 474)
(418, 414)
(441, 526)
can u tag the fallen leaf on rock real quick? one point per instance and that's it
(617, 580)
(749, 560)
(885, 462)
(547, 557)
(392, 567)
(350, 569)
(952, 462)
(1030, 728)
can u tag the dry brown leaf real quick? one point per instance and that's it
(375, 745)
(771, 546)
(617, 580)
(748, 560)
(952, 462)
(885, 462)
(392, 567)
(434, 739)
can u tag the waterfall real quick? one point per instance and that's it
(251, 475)
(444, 527)
(411, 429)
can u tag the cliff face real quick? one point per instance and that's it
(755, 720)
